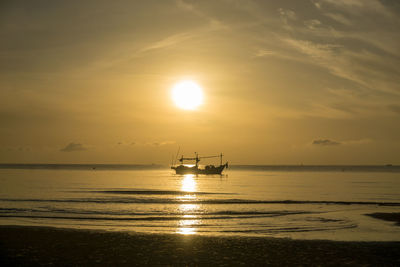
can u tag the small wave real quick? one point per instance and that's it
(294, 229)
(147, 218)
(154, 218)
(156, 192)
(10, 210)
(271, 213)
(198, 201)
(230, 213)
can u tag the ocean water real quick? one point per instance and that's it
(301, 204)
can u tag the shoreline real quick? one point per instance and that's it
(33, 245)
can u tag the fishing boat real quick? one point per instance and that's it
(195, 169)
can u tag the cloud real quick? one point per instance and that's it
(287, 14)
(162, 143)
(358, 6)
(325, 142)
(357, 142)
(72, 147)
(264, 53)
(312, 24)
(339, 18)
(366, 68)
(167, 42)
(354, 40)
(394, 108)
(315, 50)
(346, 3)
(147, 143)
(193, 7)
(328, 142)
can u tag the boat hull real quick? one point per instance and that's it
(208, 170)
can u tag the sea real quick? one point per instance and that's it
(297, 202)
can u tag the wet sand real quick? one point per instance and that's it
(32, 246)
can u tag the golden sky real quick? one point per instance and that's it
(284, 82)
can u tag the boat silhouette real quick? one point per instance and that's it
(195, 169)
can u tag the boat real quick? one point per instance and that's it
(195, 169)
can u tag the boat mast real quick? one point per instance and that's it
(197, 158)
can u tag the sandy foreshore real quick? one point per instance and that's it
(32, 246)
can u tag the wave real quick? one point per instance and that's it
(180, 217)
(199, 201)
(225, 223)
(295, 229)
(130, 213)
(154, 192)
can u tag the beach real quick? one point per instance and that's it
(141, 217)
(32, 246)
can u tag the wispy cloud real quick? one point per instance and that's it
(360, 67)
(362, 141)
(339, 18)
(356, 6)
(162, 143)
(312, 24)
(330, 142)
(146, 143)
(319, 51)
(394, 108)
(167, 42)
(264, 53)
(325, 142)
(213, 22)
(73, 147)
(287, 16)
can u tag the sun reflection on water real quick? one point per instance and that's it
(186, 226)
(186, 231)
(188, 183)
(188, 208)
(186, 197)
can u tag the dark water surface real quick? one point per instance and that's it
(307, 204)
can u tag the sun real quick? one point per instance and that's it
(187, 95)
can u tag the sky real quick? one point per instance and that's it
(284, 82)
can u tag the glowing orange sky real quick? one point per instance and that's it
(285, 82)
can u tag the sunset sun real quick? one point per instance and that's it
(187, 95)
